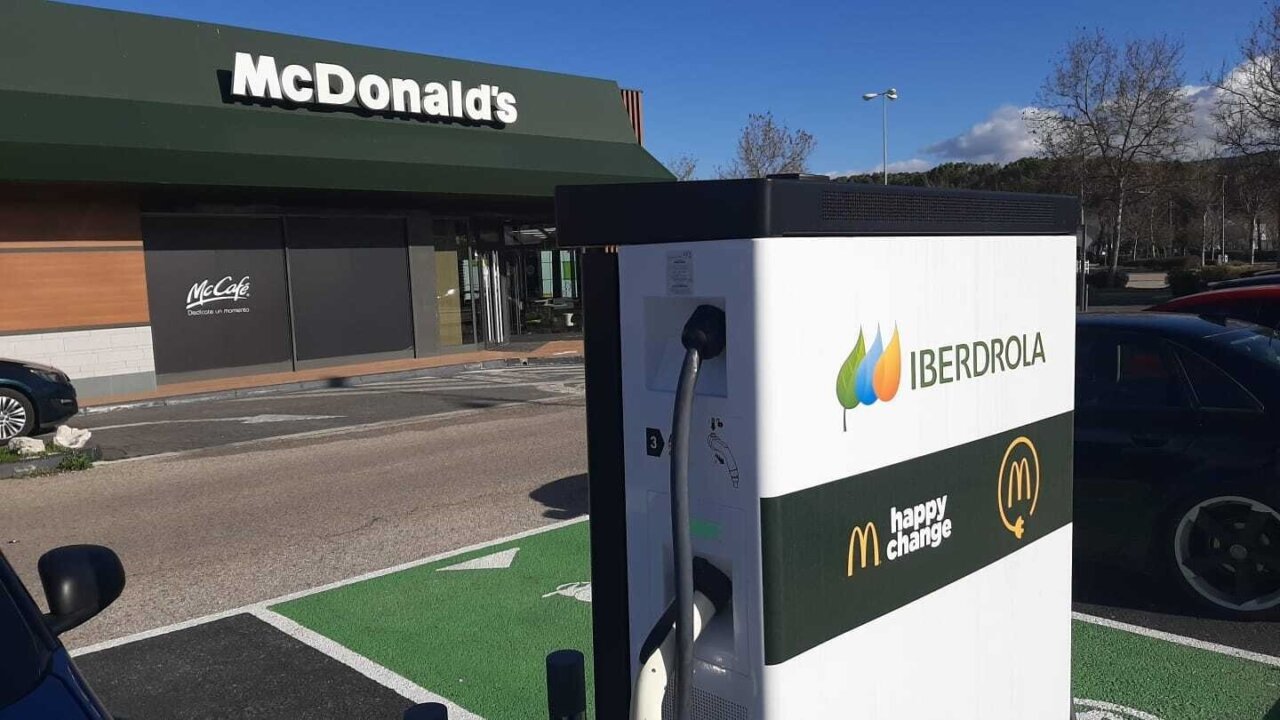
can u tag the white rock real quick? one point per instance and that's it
(26, 446)
(71, 438)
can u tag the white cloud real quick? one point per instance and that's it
(1203, 98)
(912, 165)
(1003, 137)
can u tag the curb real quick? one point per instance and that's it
(334, 382)
(46, 464)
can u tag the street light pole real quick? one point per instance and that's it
(885, 96)
(1224, 216)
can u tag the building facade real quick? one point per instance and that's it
(184, 201)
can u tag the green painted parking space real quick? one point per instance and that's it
(474, 628)
(1169, 681)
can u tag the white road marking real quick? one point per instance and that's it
(1179, 639)
(1100, 710)
(576, 590)
(496, 561)
(246, 420)
(361, 664)
(342, 430)
(265, 604)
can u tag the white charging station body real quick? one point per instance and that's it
(880, 461)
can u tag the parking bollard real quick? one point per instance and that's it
(566, 685)
(427, 711)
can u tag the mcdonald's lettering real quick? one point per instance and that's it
(1018, 485)
(862, 536)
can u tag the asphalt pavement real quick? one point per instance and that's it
(205, 423)
(249, 512)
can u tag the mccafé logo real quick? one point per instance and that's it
(1018, 485)
(335, 86)
(924, 525)
(869, 375)
(205, 291)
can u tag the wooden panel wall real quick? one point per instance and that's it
(70, 258)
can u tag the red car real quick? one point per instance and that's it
(1259, 304)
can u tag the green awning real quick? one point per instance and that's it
(58, 138)
(93, 95)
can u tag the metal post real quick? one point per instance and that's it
(1084, 277)
(1224, 216)
(884, 140)
(566, 685)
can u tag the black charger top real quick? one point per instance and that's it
(796, 205)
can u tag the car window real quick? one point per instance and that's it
(1126, 371)
(24, 656)
(1213, 387)
(1253, 341)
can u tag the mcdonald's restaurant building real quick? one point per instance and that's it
(186, 201)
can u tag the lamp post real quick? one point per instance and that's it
(1224, 215)
(885, 96)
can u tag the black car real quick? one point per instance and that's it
(1177, 453)
(37, 677)
(1266, 277)
(33, 398)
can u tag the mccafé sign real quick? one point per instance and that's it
(336, 86)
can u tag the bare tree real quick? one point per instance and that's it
(767, 147)
(1254, 184)
(1248, 109)
(1117, 107)
(684, 167)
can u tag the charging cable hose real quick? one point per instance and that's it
(703, 338)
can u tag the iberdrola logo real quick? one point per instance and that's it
(869, 375)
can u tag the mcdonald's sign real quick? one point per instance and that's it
(861, 537)
(1018, 485)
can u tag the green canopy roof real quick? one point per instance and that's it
(102, 96)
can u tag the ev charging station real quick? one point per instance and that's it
(861, 397)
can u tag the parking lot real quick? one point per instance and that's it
(471, 629)
(347, 406)
(386, 586)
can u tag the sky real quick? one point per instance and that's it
(963, 69)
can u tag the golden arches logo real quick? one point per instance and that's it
(1018, 482)
(862, 536)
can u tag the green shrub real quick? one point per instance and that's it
(1184, 282)
(76, 460)
(1108, 279)
(1214, 273)
(1177, 262)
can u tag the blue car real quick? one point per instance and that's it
(37, 677)
(33, 398)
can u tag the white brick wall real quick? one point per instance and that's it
(85, 353)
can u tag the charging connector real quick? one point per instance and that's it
(703, 338)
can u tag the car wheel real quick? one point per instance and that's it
(1226, 554)
(17, 417)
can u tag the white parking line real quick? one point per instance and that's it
(361, 664)
(340, 430)
(265, 604)
(1179, 639)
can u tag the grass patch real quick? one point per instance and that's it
(75, 460)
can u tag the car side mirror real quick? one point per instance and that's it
(79, 582)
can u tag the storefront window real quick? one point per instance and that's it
(455, 281)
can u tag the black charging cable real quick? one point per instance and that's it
(703, 339)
